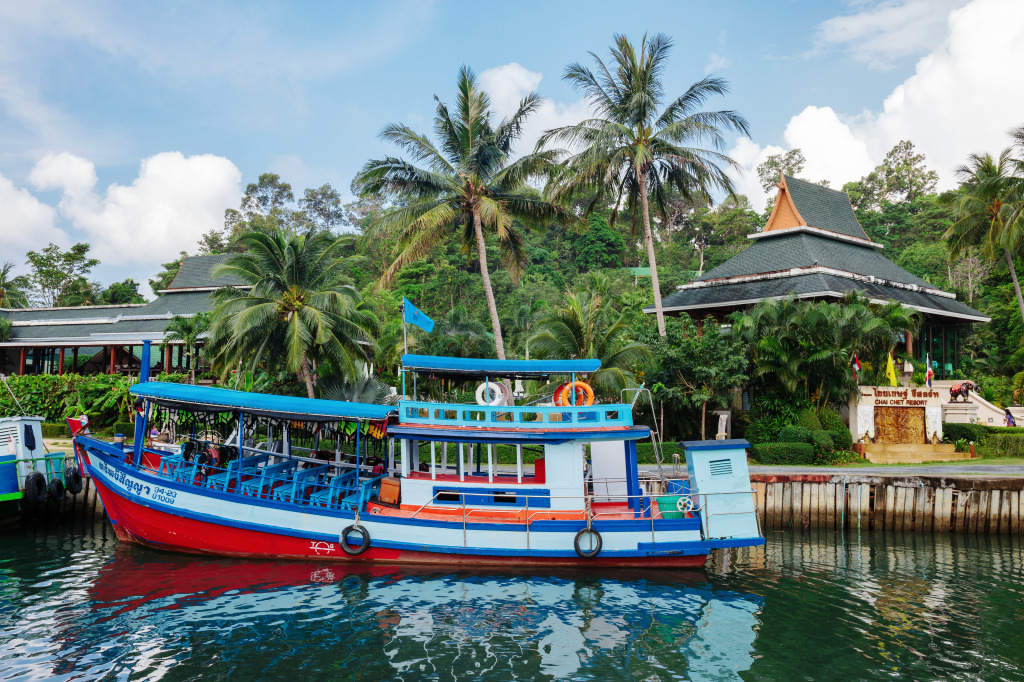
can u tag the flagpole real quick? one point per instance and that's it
(405, 343)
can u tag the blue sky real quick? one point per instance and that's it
(134, 125)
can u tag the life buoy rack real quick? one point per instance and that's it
(587, 397)
(35, 488)
(596, 543)
(358, 549)
(498, 390)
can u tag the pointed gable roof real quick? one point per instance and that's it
(805, 204)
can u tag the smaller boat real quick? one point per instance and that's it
(256, 475)
(29, 474)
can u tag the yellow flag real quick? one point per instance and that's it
(890, 371)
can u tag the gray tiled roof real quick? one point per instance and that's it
(80, 313)
(802, 250)
(181, 303)
(817, 285)
(824, 208)
(196, 272)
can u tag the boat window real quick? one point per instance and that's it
(448, 496)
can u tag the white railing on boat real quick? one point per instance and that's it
(527, 417)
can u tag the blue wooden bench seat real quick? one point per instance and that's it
(270, 476)
(342, 483)
(359, 498)
(236, 469)
(300, 484)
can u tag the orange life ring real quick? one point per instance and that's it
(577, 387)
(557, 395)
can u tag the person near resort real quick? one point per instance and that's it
(1008, 419)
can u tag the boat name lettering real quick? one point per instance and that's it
(129, 483)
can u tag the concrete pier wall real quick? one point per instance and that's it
(941, 504)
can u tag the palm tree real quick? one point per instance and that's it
(467, 187)
(587, 328)
(296, 309)
(456, 335)
(13, 289)
(186, 331)
(636, 152)
(988, 210)
(366, 389)
(526, 316)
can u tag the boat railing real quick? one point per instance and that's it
(525, 417)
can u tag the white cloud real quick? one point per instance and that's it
(25, 222)
(888, 30)
(508, 84)
(962, 98)
(715, 62)
(174, 200)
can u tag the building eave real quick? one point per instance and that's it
(838, 236)
(813, 270)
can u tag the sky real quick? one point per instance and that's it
(134, 125)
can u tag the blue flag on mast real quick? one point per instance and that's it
(414, 315)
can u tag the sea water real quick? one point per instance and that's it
(76, 605)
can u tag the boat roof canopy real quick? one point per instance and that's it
(209, 398)
(479, 367)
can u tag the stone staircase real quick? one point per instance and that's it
(898, 453)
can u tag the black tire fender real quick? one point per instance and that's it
(35, 488)
(56, 489)
(591, 553)
(359, 549)
(73, 480)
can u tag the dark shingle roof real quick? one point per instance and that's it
(196, 272)
(817, 285)
(824, 208)
(181, 303)
(79, 313)
(803, 250)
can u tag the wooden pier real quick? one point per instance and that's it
(940, 504)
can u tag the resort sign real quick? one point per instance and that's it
(887, 396)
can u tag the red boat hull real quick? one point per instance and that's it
(153, 528)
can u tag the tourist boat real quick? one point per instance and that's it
(31, 475)
(256, 475)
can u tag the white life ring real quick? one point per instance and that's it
(497, 390)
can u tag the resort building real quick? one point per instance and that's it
(813, 248)
(108, 339)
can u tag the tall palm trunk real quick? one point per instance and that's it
(492, 307)
(305, 376)
(649, 240)
(1016, 284)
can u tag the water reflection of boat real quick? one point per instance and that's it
(421, 623)
(283, 477)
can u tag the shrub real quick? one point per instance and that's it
(794, 434)
(1005, 445)
(125, 428)
(976, 433)
(830, 419)
(842, 457)
(842, 438)
(783, 453)
(824, 448)
(55, 430)
(807, 419)
(759, 431)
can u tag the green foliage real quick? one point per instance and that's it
(824, 447)
(170, 271)
(55, 430)
(842, 438)
(298, 312)
(125, 428)
(6, 327)
(975, 433)
(783, 453)
(55, 271)
(830, 419)
(794, 434)
(102, 397)
(599, 246)
(637, 152)
(697, 369)
(1005, 445)
(186, 331)
(808, 419)
(14, 289)
(769, 415)
(120, 293)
